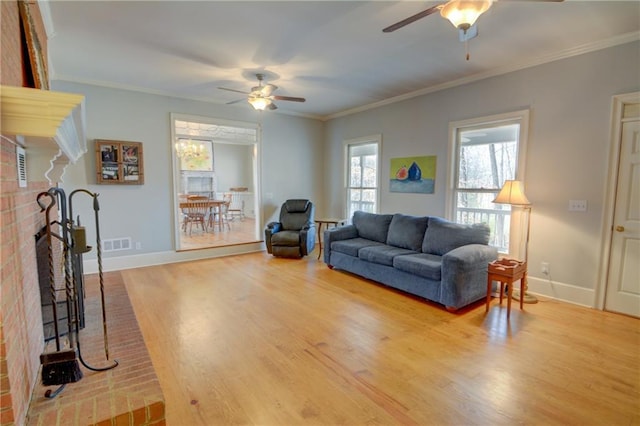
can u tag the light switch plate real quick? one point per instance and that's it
(577, 205)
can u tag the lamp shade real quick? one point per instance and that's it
(464, 13)
(512, 192)
(259, 103)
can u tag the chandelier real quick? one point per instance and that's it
(189, 149)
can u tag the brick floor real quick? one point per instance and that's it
(129, 394)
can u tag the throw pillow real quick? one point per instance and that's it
(407, 231)
(443, 236)
(372, 226)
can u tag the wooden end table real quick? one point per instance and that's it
(506, 271)
(326, 223)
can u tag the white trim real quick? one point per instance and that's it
(371, 139)
(617, 109)
(160, 258)
(257, 175)
(561, 291)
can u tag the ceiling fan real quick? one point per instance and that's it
(461, 13)
(261, 97)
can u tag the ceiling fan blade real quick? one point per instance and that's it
(236, 101)
(288, 98)
(412, 19)
(233, 90)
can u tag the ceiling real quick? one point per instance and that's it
(333, 53)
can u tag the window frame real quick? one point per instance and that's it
(347, 144)
(520, 117)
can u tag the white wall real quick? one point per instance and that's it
(570, 103)
(233, 166)
(291, 147)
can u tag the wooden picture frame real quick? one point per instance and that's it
(37, 61)
(119, 162)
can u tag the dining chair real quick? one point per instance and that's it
(224, 213)
(236, 207)
(195, 212)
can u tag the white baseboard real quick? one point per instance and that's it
(159, 258)
(562, 291)
(552, 289)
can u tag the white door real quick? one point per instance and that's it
(623, 284)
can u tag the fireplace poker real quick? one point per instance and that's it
(96, 208)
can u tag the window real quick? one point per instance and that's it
(486, 152)
(362, 174)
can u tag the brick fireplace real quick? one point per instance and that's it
(21, 336)
(129, 394)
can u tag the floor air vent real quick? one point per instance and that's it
(116, 244)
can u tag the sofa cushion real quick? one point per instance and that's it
(407, 231)
(443, 236)
(372, 226)
(421, 264)
(382, 254)
(352, 245)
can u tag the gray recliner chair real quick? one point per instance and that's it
(295, 234)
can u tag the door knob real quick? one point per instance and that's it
(620, 228)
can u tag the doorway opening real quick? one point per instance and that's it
(215, 182)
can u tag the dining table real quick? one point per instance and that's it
(214, 210)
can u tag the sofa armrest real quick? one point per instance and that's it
(464, 274)
(272, 228)
(336, 234)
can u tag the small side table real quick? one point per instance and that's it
(506, 271)
(326, 223)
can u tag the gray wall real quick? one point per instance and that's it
(567, 157)
(233, 166)
(291, 147)
(567, 153)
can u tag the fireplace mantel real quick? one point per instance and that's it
(49, 125)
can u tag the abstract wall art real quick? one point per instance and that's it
(413, 174)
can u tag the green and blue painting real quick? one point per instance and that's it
(413, 174)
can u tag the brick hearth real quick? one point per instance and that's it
(129, 394)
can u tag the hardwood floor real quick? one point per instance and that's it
(253, 339)
(239, 232)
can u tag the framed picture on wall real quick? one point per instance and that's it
(413, 174)
(119, 162)
(197, 155)
(37, 61)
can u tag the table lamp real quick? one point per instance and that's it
(512, 193)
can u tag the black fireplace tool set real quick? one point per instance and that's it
(61, 366)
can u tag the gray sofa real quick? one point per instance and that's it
(429, 257)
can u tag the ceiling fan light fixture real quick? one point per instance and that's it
(259, 103)
(464, 13)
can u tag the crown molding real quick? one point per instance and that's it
(579, 50)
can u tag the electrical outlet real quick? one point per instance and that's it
(577, 205)
(544, 268)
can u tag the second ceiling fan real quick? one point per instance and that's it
(461, 13)
(261, 96)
